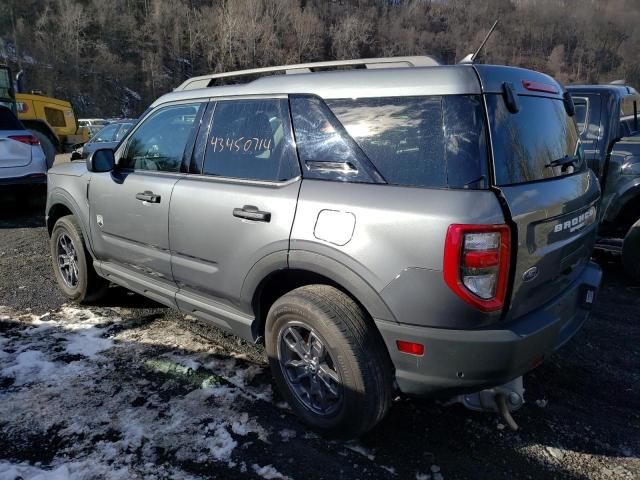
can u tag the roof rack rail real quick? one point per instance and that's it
(370, 63)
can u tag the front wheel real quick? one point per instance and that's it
(328, 360)
(72, 262)
(631, 252)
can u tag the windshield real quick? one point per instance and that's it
(536, 143)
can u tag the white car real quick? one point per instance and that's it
(22, 160)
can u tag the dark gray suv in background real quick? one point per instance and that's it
(382, 225)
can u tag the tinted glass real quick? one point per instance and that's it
(326, 150)
(436, 141)
(581, 113)
(107, 134)
(159, 143)
(55, 117)
(251, 139)
(525, 143)
(8, 120)
(124, 129)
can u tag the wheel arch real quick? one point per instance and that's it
(58, 205)
(627, 213)
(265, 284)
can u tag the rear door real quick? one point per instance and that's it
(553, 207)
(13, 153)
(236, 207)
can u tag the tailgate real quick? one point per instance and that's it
(551, 196)
(13, 153)
(556, 231)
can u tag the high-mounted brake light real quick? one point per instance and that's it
(539, 87)
(476, 264)
(28, 139)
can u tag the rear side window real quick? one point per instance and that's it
(526, 143)
(251, 139)
(8, 120)
(435, 141)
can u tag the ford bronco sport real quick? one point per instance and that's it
(400, 226)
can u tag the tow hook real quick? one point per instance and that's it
(503, 399)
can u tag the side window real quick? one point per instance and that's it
(251, 139)
(582, 110)
(124, 128)
(159, 143)
(326, 150)
(106, 134)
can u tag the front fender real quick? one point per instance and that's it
(59, 196)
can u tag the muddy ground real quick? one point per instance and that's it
(122, 390)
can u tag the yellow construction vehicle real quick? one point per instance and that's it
(52, 120)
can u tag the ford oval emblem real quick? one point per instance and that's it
(530, 274)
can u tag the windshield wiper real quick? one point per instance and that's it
(566, 161)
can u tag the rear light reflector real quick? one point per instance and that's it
(28, 139)
(539, 87)
(411, 348)
(476, 264)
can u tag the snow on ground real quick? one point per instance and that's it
(82, 385)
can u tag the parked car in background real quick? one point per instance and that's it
(108, 136)
(607, 117)
(22, 161)
(409, 227)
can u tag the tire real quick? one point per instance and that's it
(48, 147)
(88, 286)
(355, 362)
(631, 252)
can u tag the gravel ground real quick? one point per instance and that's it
(122, 390)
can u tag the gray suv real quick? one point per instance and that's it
(382, 225)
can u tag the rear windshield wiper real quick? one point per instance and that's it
(566, 161)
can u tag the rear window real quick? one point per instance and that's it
(430, 141)
(8, 120)
(525, 143)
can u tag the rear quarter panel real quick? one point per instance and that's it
(397, 243)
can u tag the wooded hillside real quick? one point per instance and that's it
(114, 57)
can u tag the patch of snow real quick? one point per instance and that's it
(287, 434)
(358, 448)
(268, 472)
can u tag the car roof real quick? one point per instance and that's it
(619, 90)
(465, 79)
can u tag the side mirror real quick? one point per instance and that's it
(569, 106)
(101, 161)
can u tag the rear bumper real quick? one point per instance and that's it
(464, 361)
(26, 180)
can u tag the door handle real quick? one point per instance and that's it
(148, 196)
(249, 212)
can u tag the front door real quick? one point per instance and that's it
(130, 206)
(237, 208)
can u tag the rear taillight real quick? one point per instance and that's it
(28, 139)
(476, 264)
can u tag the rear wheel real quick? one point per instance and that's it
(72, 262)
(631, 252)
(328, 361)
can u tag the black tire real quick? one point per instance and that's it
(48, 147)
(358, 355)
(89, 286)
(631, 252)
